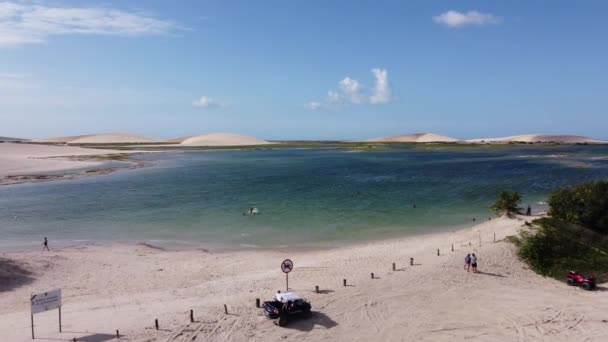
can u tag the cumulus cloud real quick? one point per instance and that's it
(207, 102)
(24, 23)
(455, 19)
(351, 91)
(382, 90)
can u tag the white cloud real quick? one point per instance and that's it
(314, 105)
(23, 23)
(455, 19)
(207, 102)
(382, 90)
(351, 91)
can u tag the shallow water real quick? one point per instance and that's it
(305, 197)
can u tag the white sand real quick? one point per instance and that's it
(223, 139)
(26, 159)
(541, 138)
(60, 140)
(416, 138)
(127, 287)
(112, 138)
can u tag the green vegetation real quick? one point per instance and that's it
(585, 205)
(574, 237)
(507, 203)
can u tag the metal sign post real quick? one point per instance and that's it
(286, 267)
(46, 301)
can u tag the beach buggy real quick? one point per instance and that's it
(286, 306)
(576, 279)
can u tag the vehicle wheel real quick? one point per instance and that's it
(586, 286)
(570, 282)
(283, 318)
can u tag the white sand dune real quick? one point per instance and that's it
(127, 287)
(541, 138)
(223, 139)
(178, 140)
(24, 159)
(60, 140)
(112, 138)
(416, 138)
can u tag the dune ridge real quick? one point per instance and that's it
(223, 139)
(416, 138)
(541, 138)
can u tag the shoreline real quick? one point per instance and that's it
(34, 163)
(128, 287)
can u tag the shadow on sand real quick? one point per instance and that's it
(318, 318)
(13, 275)
(96, 338)
(491, 274)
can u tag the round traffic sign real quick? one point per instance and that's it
(286, 266)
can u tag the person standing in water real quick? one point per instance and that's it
(46, 245)
(474, 262)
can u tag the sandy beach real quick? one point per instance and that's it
(36, 159)
(124, 287)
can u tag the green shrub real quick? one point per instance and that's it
(585, 205)
(507, 203)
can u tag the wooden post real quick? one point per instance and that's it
(257, 302)
(225, 309)
(156, 323)
(32, 326)
(317, 289)
(394, 268)
(372, 275)
(117, 334)
(411, 261)
(192, 315)
(344, 282)
(60, 319)
(494, 237)
(437, 251)
(75, 340)
(452, 247)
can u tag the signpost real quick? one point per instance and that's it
(286, 267)
(46, 301)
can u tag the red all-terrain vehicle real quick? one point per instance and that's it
(576, 279)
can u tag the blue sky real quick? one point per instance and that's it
(303, 69)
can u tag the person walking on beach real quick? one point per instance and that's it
(46, 245)
(474, 262)
(529, 211)
(467, 262)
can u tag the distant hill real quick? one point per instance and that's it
(8, 139)
(541, 139)
(222, 139)
(416, 138)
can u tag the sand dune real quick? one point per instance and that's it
(61, 140)
(178, 140)
(20, 159)
(127, 287)
(223, 139)
(415, 138)
(111, 138)
(541, 138)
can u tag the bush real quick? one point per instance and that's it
(557, 247)
(507, 203)
(585, 205)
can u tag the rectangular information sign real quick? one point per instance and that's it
(46, 301)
